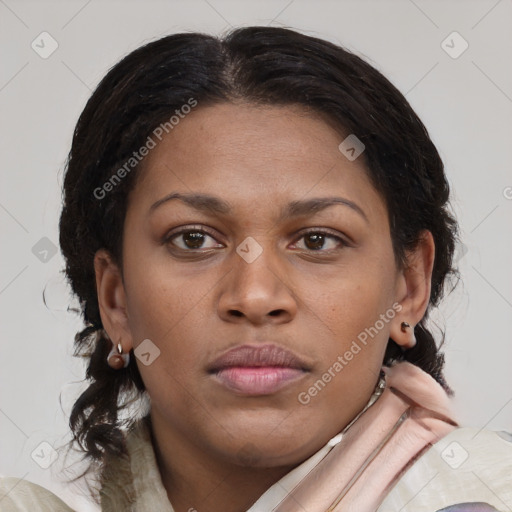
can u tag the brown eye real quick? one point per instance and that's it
(192, 239)
(321, 241)
(314, 241)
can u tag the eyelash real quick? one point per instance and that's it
(317, 231)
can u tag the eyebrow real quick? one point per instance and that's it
(211, 204)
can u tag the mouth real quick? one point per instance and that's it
(258, 370)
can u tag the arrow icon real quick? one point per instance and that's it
(44, 250)
(44, 455)
(44, 45)
(454, 45)
(351, 147)
(454, 455)
(249, 249)
(147, 352)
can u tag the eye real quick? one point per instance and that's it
(190, 239)
(317, 240)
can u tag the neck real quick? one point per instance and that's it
(194, 480)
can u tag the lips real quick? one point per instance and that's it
(257, 370)
(266, 355)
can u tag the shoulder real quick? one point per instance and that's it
(468, 466)
(18, 495)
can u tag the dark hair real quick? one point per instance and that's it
(262, 65)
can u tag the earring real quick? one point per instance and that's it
(412, 342)
(118, 360)
(404, 326)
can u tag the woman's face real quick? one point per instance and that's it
(231, 264)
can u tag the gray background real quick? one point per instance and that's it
(465, 102)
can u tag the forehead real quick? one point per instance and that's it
(262, 155)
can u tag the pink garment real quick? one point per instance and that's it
(411, 415)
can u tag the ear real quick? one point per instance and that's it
(112, 299)
(413, 290)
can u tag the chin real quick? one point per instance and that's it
(259, 449)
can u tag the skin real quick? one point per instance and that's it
(218, 450)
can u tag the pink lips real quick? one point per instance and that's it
(257, 370)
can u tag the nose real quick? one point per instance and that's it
(257, 292)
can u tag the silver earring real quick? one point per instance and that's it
(116, 359)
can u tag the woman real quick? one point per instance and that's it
(257, 228)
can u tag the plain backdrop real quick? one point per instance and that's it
(465, 101)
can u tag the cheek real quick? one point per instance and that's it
(349, 301)
(161, 295)
(352, 349)
(354, 311)
(167, 306)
